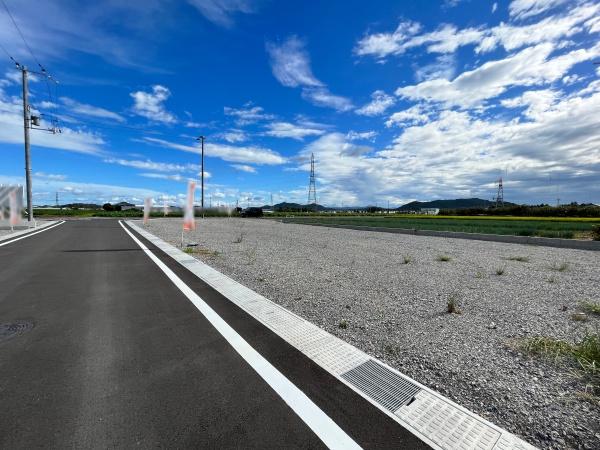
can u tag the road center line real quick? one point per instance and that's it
(31, 234)
(319, 422)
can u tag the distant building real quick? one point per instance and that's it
(430, 211)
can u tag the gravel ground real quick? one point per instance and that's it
(397, 312)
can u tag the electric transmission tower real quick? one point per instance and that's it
(312, 187)
(500, 195)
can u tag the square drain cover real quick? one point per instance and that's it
(387, 388)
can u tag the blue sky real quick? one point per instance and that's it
(397, 100)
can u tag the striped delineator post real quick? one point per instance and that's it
(189, 222)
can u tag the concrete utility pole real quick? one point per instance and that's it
(26, 126)
(201, 139)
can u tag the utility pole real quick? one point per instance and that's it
(201, 139)
(26, 126)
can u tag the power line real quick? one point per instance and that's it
(22, 37)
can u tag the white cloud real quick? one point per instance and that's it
(290, 64)
(531, 66)
(494, 7)
(244, 168)
(220, 12)
(74, 191)
(379, 103)
(290, 130)
(414, 115)
(87, 110)
(383, 44)
(248, 114)
(11, 131)
(443, 67)
(234, 136)
(246, 154)
(361, 136)
(151, 104)
(322, 97)
(448, 38)
(153, 165)
(521, 9)
(50, 176)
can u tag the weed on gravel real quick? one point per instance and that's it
(500, 271)
(518, 258)
(443, 258)
(406, 259)
(560, 267)
(586, 353)
(343, 324)
(591, 307)
(452, 306)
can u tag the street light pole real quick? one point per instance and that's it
(27, 144)
(201, 139)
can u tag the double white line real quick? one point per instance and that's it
(320, 423)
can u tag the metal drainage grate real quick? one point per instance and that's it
(9, 330)
(387, 388)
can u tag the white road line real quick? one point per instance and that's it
(31, 234)
(321, 424)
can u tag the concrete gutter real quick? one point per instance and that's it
(526, 240)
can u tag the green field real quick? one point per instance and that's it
(568, 228)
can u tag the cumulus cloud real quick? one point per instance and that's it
(531, 66)
(151, 104)
(290, 64)
(447, 38)
(379, 103)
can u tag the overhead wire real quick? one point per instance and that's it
(47, 77)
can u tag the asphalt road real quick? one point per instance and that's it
(117, 357)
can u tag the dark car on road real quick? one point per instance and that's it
(252, 212)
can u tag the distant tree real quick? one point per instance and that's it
(108, 207)
(117, 208)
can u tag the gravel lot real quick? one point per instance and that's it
(397, 311)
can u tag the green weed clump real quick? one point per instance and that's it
(560, 267)
(343, 324)
(406, 259)
(586, 353)
(591, 307)
(443, 258)
(452, 306)
(500, 271)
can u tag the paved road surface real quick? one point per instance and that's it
(118, 357)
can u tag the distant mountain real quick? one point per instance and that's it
(459, 203)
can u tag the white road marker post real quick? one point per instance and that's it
(189, 222)
(165, 209)
(14, 214)
(147, 209)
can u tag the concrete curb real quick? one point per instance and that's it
(524, 240)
